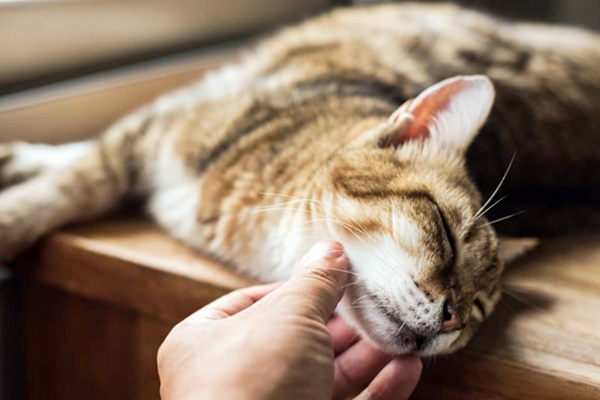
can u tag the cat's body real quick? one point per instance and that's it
(296, 143)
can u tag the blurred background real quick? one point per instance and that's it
(70, 67)
(44, 41)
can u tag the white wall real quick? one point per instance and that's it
(43, 37)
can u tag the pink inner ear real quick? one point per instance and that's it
(424, 109)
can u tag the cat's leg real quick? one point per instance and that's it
(88, 186)
(20, 161)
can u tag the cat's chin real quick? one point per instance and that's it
(422, 346)
(393, 340)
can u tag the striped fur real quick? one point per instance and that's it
(262, 158)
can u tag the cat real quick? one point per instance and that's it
(361, 125)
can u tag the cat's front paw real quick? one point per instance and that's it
(21, 161)
(22, 218)
(6, 155)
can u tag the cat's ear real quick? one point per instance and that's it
(449, 113)
(511, 248)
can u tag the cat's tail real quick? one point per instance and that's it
(53, 186)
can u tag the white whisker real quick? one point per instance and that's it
(354, 283)
(402, 326)
(359, 299)
(505, 218)
(364, 306)
(477, 214)
(490, 207)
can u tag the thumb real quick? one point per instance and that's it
(317, 284)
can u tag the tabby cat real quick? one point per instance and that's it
(356, 126)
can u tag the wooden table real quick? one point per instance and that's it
(101, 297)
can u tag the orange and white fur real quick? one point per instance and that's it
(353, 126)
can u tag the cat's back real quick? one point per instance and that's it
(425, 40)
(547, 78)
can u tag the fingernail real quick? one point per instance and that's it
(325, 248)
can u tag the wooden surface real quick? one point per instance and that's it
(106, 293)
(78, 348)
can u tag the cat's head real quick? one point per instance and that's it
(426, 260)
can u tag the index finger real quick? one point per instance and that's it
(317, 284)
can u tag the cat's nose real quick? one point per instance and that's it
(451, 321)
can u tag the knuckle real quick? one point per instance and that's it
(322, 277)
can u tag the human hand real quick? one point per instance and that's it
(277, 341)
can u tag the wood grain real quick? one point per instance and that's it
(84, 349)
(542, 343)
